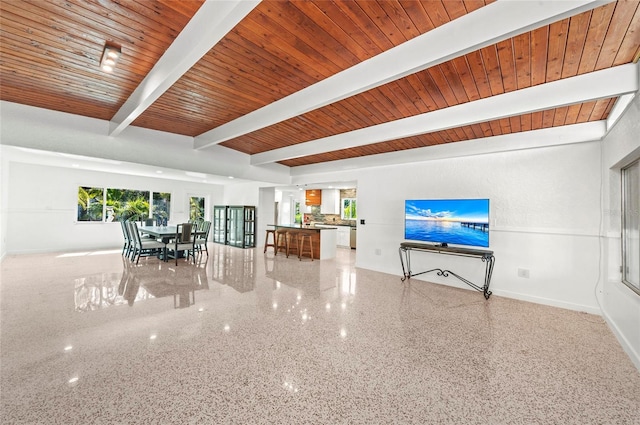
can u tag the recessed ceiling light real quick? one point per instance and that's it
(231, 177)
(159, 171)
(197, 175)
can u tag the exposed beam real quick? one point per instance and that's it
(618, 109)
(213, 21)
(610, 82)
(484, 27)
(554, 136)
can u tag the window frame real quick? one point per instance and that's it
(627, 209)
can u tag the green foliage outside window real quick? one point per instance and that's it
(349, 209)
(298, 214)
(196, 209)
(120, 204)
(161, 205)
(90, 203)
(128, 204)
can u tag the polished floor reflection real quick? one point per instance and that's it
(244, 337)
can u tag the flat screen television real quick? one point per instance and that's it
(447, 221)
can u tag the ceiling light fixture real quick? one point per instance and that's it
(110, 56)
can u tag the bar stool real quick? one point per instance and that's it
(281, 242)
(291, 238)
(271, 232)
(302, 238)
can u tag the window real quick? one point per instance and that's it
(98, 204)
(348, 210)
(297, 214)
(161, 205)
(128, 204)
(196, 208)
(90, 203)
(631, 226)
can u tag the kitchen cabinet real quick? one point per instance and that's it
(343, 237)
(343, 234)
(313, 197)
(330, 201)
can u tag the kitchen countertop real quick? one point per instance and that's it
(336, 225)
(301, 228)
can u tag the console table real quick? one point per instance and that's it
(486, 256)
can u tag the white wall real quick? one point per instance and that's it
(42, 206)
(265, 213)
(4, 173)
(242, 194)
(545, 217)
(621, 306)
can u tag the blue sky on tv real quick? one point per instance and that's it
(475, 210)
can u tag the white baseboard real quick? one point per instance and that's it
(633, 354)
(548, 301)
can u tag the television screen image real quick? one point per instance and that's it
(447, 221)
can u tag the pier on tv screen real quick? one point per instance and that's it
(447, 221)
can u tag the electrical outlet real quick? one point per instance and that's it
(378, 251)
(524, 273)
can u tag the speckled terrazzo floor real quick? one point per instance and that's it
(246, 338)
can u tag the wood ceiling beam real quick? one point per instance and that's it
(607, 83)
(213, 21)
(484, 27)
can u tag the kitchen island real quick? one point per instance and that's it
(323, 239)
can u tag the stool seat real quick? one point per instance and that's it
(302, 238)
(291, 238)
(282, 242)
(272, 233)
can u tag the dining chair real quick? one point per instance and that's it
(203, 236)
(144, 246)
(127, 239)
(184, 241)
(147, 222)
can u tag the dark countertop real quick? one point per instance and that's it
(353, 226)
(301, 228)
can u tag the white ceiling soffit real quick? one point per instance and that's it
(610, 82)
(211, 22)
(463, 35)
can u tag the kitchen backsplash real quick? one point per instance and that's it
(315, 216)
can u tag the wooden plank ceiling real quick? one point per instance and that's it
(50, 53)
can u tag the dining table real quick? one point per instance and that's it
(159, 232)
(165, 233)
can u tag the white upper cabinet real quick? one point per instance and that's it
(330, 201)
